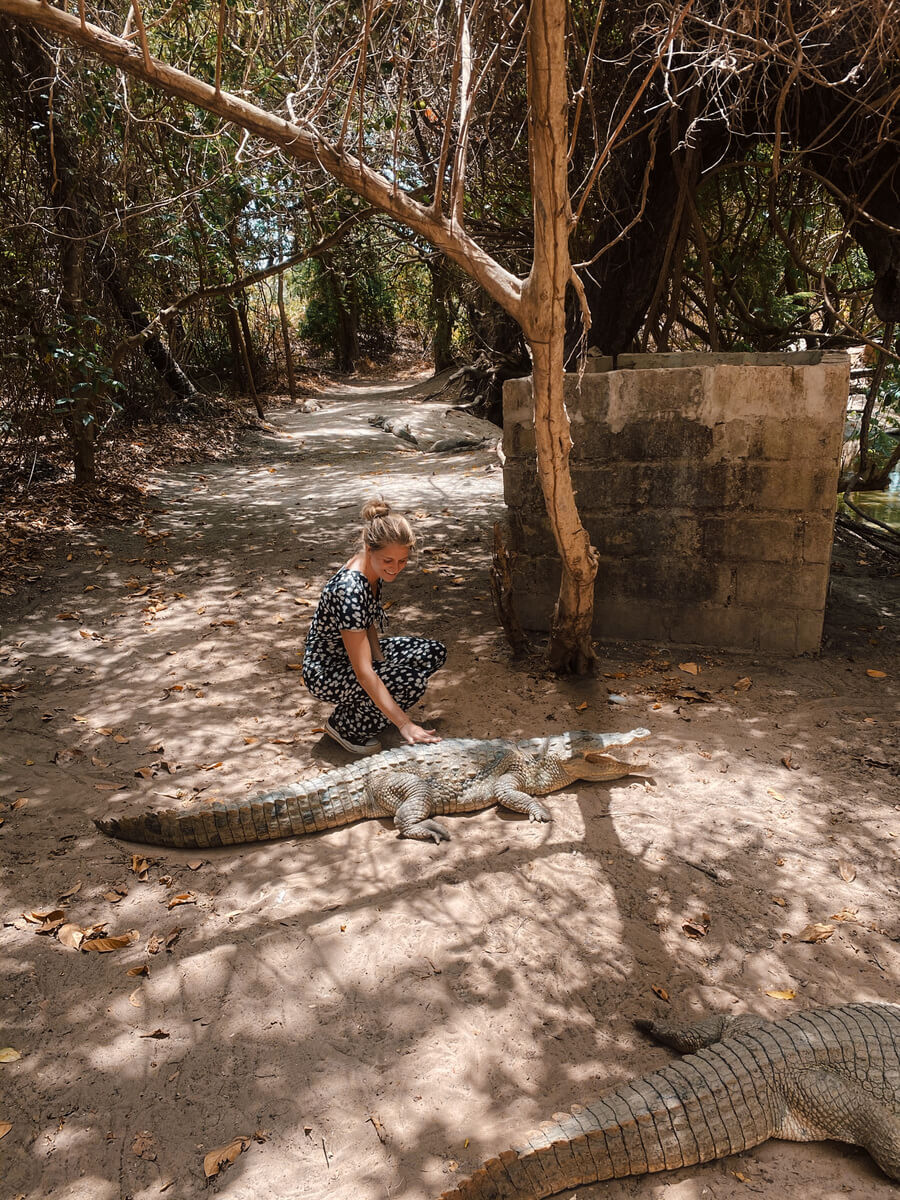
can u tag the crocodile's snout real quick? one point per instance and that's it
(595, 767)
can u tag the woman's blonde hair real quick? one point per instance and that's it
(382, 527)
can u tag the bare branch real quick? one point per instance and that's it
(301, 143)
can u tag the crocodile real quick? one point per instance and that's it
(410, 784)
(824, 1073)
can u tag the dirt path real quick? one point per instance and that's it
(380, 1014)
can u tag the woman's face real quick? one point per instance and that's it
(389, 561)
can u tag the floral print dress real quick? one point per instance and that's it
(348, 602)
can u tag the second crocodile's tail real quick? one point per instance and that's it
(699, 1108)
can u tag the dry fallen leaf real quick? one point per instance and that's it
(104, 945)
(17, 804)
(776, 795)
(698, 928)
(5, 1127)
(581, 707)
(159, 1034)
(780, 901)
(815, 933)
(140, 866)
(182, 898)
(7, 1054)
(846, 870)
(787, 761)
(195, 864)
(846, 914)
(224, 1156)
(689, 668)
(49, 921)
(144, 1145)
(781, 993)
(741, 685)
(69, 892)
(116, 893)
(661, 992)
(143, 969)
(71, 935)
(877, 674)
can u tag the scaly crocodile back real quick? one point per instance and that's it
(351, 793)
(336, 797)
(721, 1100)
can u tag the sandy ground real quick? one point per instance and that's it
(377, 1016)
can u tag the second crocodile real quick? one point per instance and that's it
(411, 784)
(825, 1073)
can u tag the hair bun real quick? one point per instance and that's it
(374, 509)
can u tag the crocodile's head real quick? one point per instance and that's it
(566, 757)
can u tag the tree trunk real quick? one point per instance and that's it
(61, 175)
(154, 348)
(286, 338)
(346, 350)
(239, 379)
(544, 325)
(60, 170)
(235, 329)
(441, 315)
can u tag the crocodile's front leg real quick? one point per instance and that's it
(410, 799)
(508, 794)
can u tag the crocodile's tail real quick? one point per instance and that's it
(287, 812)
(676, 1117)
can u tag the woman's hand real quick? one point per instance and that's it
(415, 735)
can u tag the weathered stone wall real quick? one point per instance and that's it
(708, 484)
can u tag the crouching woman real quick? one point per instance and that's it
(371, 681)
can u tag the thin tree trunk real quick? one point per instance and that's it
(235, 330)
(544, 325)
(154, 348)
(441, 315)
(346, 350)
(64, 163)
(251, 364)
(60, 171)
(286, 338)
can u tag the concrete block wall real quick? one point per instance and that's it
(708, 484)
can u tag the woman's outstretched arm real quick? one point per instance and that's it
(359, 651)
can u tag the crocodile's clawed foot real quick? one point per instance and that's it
(427, 831)
(537, 812)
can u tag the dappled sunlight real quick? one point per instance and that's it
(327, 991)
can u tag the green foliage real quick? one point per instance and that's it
(350, 307)
(78, 373)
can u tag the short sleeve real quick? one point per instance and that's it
(353, 602)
